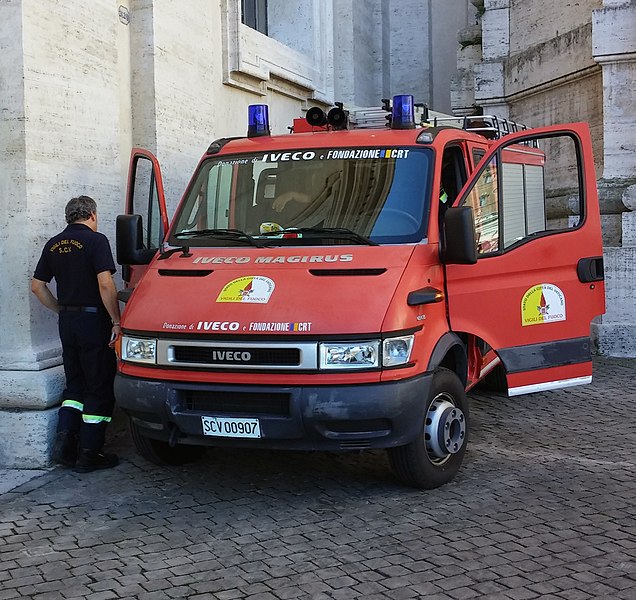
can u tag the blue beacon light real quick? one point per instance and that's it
(403, 112)
(257, 120)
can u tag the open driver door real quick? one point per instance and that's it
(142, 229)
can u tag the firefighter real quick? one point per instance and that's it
(81, 261)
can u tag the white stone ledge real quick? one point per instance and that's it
(568, 79)
(548, 62)
(251, 60)
(32, 390)
(627, 57)
(31, 359)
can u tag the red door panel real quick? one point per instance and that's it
(524, 296)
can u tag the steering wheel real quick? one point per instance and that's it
(394, 217)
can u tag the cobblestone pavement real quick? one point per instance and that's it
(543, 507)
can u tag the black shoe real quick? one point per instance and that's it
(65, 449)
(91, 460)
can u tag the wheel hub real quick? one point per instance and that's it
(445, 429)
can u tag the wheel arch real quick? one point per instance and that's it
(450, 352)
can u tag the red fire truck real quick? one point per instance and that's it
(343, 286)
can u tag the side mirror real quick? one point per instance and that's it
(460, 240)
(129, 241)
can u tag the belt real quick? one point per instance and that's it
(87, 309)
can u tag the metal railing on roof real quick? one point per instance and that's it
(490, 126)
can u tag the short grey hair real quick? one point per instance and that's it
(80, 209)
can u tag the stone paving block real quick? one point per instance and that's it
(427, 589)
(287, 593)
(106, 595)
(225, 595)
(19, 581)
(626, 594)
(402, 593)
(522, 594)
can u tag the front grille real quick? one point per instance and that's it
(228, 355)
(248, 403)
(237, 356)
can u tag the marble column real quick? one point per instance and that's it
(614, 48)
(61, 135)
(490, 92)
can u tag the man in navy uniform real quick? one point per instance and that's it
(80, 260)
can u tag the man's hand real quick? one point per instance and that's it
(116, 332)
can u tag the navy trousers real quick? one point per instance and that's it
(89, 366)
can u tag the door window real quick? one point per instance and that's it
(478, 154)
(527, 190)
(145, 202)
(484, 200)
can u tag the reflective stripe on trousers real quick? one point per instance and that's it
(73, 404)
(93, 419)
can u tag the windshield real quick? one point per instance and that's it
(348, 195)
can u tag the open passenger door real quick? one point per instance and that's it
(142, 229)
(537, 281)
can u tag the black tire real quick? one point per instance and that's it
(427, 465)
(160, 453)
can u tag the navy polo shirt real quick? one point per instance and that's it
(75, 257)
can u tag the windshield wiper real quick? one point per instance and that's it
(226, 234)
(339, 232)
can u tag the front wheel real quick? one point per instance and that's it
(434, 457)
(161, 453)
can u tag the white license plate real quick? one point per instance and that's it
(229, 427)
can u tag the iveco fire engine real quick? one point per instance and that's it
(343, 286)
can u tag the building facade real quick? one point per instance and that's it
(544, 62)
(82, 83)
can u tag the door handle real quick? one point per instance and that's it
(590, 269)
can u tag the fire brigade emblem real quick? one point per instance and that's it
(252, 289)
(543, 303)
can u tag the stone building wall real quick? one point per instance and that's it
(84, 83)
(540, 21)
(545, 62)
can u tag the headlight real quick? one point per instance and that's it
(139, 350)
(359, 355)
(397, 351)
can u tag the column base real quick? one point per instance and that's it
(31, 390)
(29, 401)
(26, 438)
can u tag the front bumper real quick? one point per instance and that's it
(330, 417)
